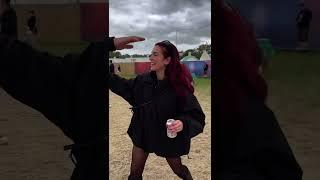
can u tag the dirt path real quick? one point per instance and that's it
(35, 149)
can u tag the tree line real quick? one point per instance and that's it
(196, 52)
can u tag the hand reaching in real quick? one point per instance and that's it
(124, 42)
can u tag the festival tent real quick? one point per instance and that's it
(195, 66)
(207, 59)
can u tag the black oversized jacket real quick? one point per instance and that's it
(69, 91)
(153, 103)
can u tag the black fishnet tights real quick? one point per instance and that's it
(139, 158)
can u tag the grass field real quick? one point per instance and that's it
(293, 80)
(294, 86)
(201, 85)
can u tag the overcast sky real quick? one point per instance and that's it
(158, 20)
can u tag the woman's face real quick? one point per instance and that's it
(158, 61)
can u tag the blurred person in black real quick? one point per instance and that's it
(32, 23)
(8, 25)
(205, 69)
(248, 141)
(119, 69)
(8, 19)
(303, 20)
(70, 91)
(31, 33)
(111, 67)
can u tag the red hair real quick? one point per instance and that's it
(237, 54)
(178, 75)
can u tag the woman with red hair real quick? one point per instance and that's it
(164, 93)
(248, 142)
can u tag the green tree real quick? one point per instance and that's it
(138, 55)
(125, 56)
(197, 52)
(116, 54)
(187, 52)
(203, 47)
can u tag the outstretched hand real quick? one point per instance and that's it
(124, 42)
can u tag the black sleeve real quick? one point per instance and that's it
(31, 76)
(39, 80)
(46, 82)
(122, 87)
(192, 117)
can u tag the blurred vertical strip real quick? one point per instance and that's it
(314, 6)
(94, 20)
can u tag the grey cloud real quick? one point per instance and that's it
(159, 6)
(159, 20)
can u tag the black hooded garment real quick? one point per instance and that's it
(154, 101)
(70, 91)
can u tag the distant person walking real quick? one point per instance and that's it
(32, 30)
(32, 23)
(303, 24)
(111, 67)
(119, 69)
(205, 69)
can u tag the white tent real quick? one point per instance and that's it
(205, 56)
(189, 58)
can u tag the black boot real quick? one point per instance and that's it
(134, 177)
(186, 175)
